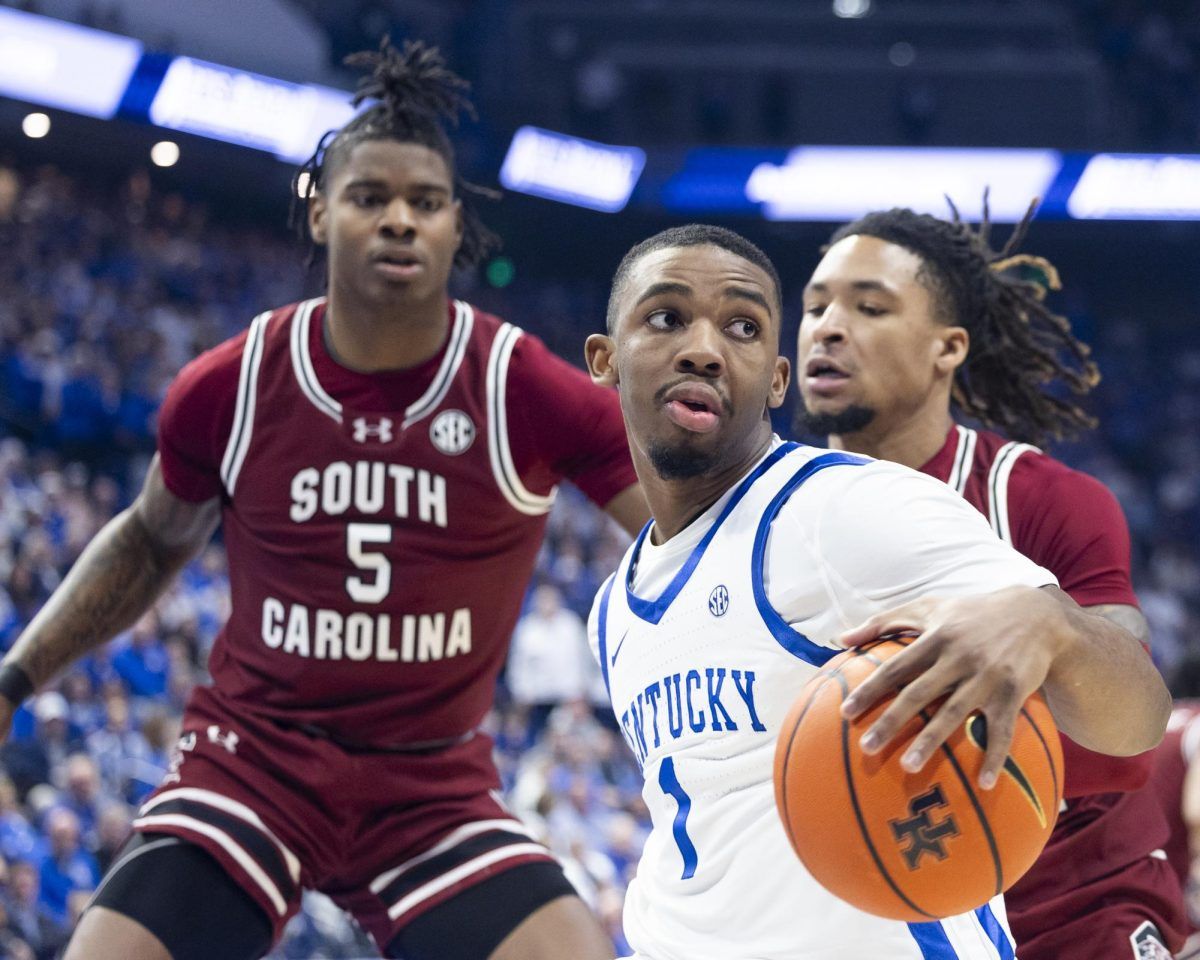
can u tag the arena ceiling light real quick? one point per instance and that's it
(841, 183)
(1116, 186)
(580, 172)
(35, 126)
(165, 153)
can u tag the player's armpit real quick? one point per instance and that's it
(116, 578)
(629, 509)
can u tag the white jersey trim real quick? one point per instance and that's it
(233, 808)
(507, 479)
(228, 844)
(460, 335)
(997, 486)
(247, 395)
(464, 832)
(302, 363)
(448, 879)
(964, 459)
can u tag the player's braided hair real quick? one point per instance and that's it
(415, 95)
(1018, 346)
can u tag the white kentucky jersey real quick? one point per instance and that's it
(705, 642)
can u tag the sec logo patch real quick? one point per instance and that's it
(452, 432)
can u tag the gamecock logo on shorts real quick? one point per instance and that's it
(1147, 943)
(452, 432)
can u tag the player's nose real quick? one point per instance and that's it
(828, 327)
(398, 218)
(701, 349)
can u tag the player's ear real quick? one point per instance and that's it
(951, 345)
(781, 376)
(318, 212)
(600, 352)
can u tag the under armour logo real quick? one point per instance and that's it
(452, 432)
(718, 600)
(920, 832)
(380, 430)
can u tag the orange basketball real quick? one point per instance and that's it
(910, 847)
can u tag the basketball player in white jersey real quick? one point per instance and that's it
(760, 562)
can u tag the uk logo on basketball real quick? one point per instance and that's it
(919, 831)
(718, 601)
(379, 429)
(452, 432)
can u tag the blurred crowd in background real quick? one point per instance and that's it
(105, 294)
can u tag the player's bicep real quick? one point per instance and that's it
(895, 536)
(178, 527)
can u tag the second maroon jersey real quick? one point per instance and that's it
(1071, 524)
(379, 543)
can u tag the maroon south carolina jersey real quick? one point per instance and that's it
(1173, 757)
(381, 528)
(1108, 830)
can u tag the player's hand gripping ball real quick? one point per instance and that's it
(911, 846)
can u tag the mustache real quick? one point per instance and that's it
(660, 395)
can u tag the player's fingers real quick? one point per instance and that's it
(890, 676)
(939, 727)
(999, 726)
(909, 703)
(907, 620)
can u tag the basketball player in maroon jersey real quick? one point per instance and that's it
(382, 461)
(1175, 782)
(908, 319)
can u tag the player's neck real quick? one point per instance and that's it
(674, 504)
(367, 337)
(912, 442)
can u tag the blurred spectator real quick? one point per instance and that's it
(31, 761)
(27, 914)
(112, 830)
(549, 662)
(66, 866)
(143, 663)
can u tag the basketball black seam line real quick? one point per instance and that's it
(862, 827)
(983, 820)
(1049, 760)
(786, 812)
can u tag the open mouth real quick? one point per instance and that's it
(398, 265)
(694, 407)
(822, 369)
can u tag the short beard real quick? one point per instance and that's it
(679, 463)
(850, 420)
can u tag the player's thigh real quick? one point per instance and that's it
(562, 928)
(528, 912)
(166, 899)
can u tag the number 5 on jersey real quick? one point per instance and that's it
(359, 538)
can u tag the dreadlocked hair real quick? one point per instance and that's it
(415, 96)
(1019, 348)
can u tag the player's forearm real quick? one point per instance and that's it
(1103, 689)
(114, 581)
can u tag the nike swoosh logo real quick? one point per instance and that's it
(976, 727)
(617, 649)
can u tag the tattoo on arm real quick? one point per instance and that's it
(116, 579)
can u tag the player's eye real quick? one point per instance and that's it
(743, 328)
(662, 320)
(871, 310)
(429, 204)
(814, 309)
(366, 201)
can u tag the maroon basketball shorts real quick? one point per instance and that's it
(1133, 914)
(386, 835)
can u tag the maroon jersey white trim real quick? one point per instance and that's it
(394, 553)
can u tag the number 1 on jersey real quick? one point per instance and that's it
(358, 535)
(671, 786)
